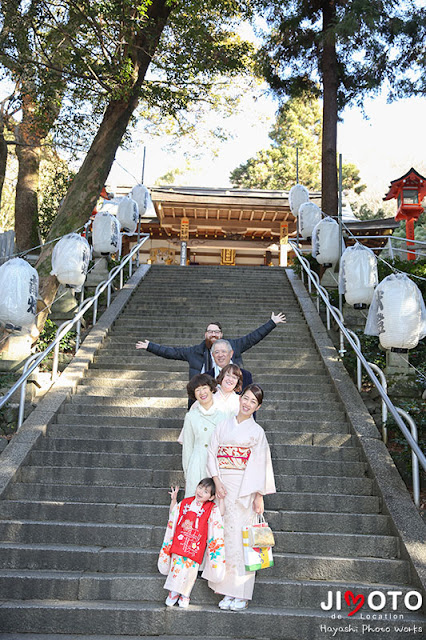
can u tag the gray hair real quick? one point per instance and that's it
(222, 341)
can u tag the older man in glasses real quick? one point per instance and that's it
(199, 357)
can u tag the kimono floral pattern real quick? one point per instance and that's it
(181, 571)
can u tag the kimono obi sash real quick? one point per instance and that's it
(229, 456)
(190, 538)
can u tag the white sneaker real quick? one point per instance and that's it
(238, 604)
(225, 604)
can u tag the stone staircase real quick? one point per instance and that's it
(81, 528)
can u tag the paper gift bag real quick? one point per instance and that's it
(256, 558)
(260, 534)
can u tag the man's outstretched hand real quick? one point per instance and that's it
(142, 344)
(278, 317)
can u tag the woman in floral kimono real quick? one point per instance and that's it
(200, 422)
(239, 461)
(194, 531)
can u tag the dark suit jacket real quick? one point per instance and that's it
(198, 355)
(247, 377)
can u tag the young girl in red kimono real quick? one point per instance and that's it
(194, 531)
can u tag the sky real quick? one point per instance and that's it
(384, 143)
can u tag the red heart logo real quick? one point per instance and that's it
(351, 598)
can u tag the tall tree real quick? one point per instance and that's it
(32, 52)
(185, 45)
(338, 50)
(298, 125)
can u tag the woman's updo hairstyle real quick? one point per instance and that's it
(256, 391)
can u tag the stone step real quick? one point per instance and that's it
(260, 350)
(145, 619)
(115, 337)
(161, 364)
(275, 403)
(107, 559)
(297, 425)
(177, 409)
(158, 439)
(152, 447)
(291, 376)
(132, 535)
(314, 462)
(69, 585)
(298, 501)
(112, 385)
(277, 359)
(312, 481)
(63, 511)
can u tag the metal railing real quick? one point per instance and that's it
(345, 333)
(35, 359)
(391, 240)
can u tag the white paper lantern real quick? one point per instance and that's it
(105, 233)
(397, 313)
(325, 242)
(140, 194)
(298, 195)
(309, 216)
(70, 260)
(128, 214)
(19, 293)
(358, 275)
(110, 206)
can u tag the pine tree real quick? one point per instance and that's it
(339, 50)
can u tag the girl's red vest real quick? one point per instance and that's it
(190, 538)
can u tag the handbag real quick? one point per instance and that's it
(260, 534)
(257, 557)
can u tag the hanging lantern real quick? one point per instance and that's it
(141, 195)
(19, 293)
(358, 275)
(110, 206)
(397, 313)
(128, 214)
(309, 215)
(325, 242)
(105, 234)
(298, 195)
(70, 260)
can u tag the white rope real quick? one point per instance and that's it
(394, 269)
(40, 246)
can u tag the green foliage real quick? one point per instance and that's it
(55, 178)
(351, 178)
(411, 267)
(48, 334)
(365, 35)
(298, 125)
(364, 212)
(397, 444)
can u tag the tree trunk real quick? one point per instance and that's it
(3, 161)
(87, 184)
(329, 123)
(28, 134)
(26, 204)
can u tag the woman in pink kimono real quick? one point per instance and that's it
(239, 461)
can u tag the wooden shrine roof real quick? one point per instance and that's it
(225, 212)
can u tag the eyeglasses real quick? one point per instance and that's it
(214, 332)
